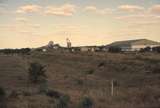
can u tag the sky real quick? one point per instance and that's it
(33, 23)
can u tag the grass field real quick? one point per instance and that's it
(136, 76)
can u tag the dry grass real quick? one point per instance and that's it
(137, 76)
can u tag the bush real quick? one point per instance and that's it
(52, 93)
(43, 87)
(25, 50)
(63, 102)
(2, 98)
(13, 94)
(36, 72)
(147, 49)
(15, 51)
(89, 72)
(85, 102)
(101, 64)
(155, 69)
(156, 49)
(114, 49)
(27, 93)
(79, 82)
(2, 92)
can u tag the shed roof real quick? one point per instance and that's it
(134, 42)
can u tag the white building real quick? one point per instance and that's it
(88, 48)
(134, 45)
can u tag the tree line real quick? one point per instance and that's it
(15, 51)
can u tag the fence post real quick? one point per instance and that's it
(112, 87)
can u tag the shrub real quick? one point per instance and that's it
(79, 81)
(85, 102)
(90, 71)
(27, 93)
(43, 87)
(147, 49)
(52, 93)
(101, 64)
(13, 94)
(156, 49)
(2, 98)
(36, 72)
(155, 69)
(63, 102)
(25, 50)
(2, 92)
(16, 51)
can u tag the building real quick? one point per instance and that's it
(56, 46)
(84, 49)
(134, 45)
(49, 47)
(89, 48)
(44, 50)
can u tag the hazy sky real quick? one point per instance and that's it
(32, 23)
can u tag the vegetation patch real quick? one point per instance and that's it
(85, 102)
(2, 92)
(89, 72)
(53, 93)
(36, 72)
(63, 102)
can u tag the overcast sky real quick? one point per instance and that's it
(32, 23)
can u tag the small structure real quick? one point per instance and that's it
(44, 50)
(88, 48)
(134, 45)
(85, 49)
(50, 46)
(102, 49)
(56, 46)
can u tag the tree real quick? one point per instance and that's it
(25, 50)
(36, 72)
(15, 51)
